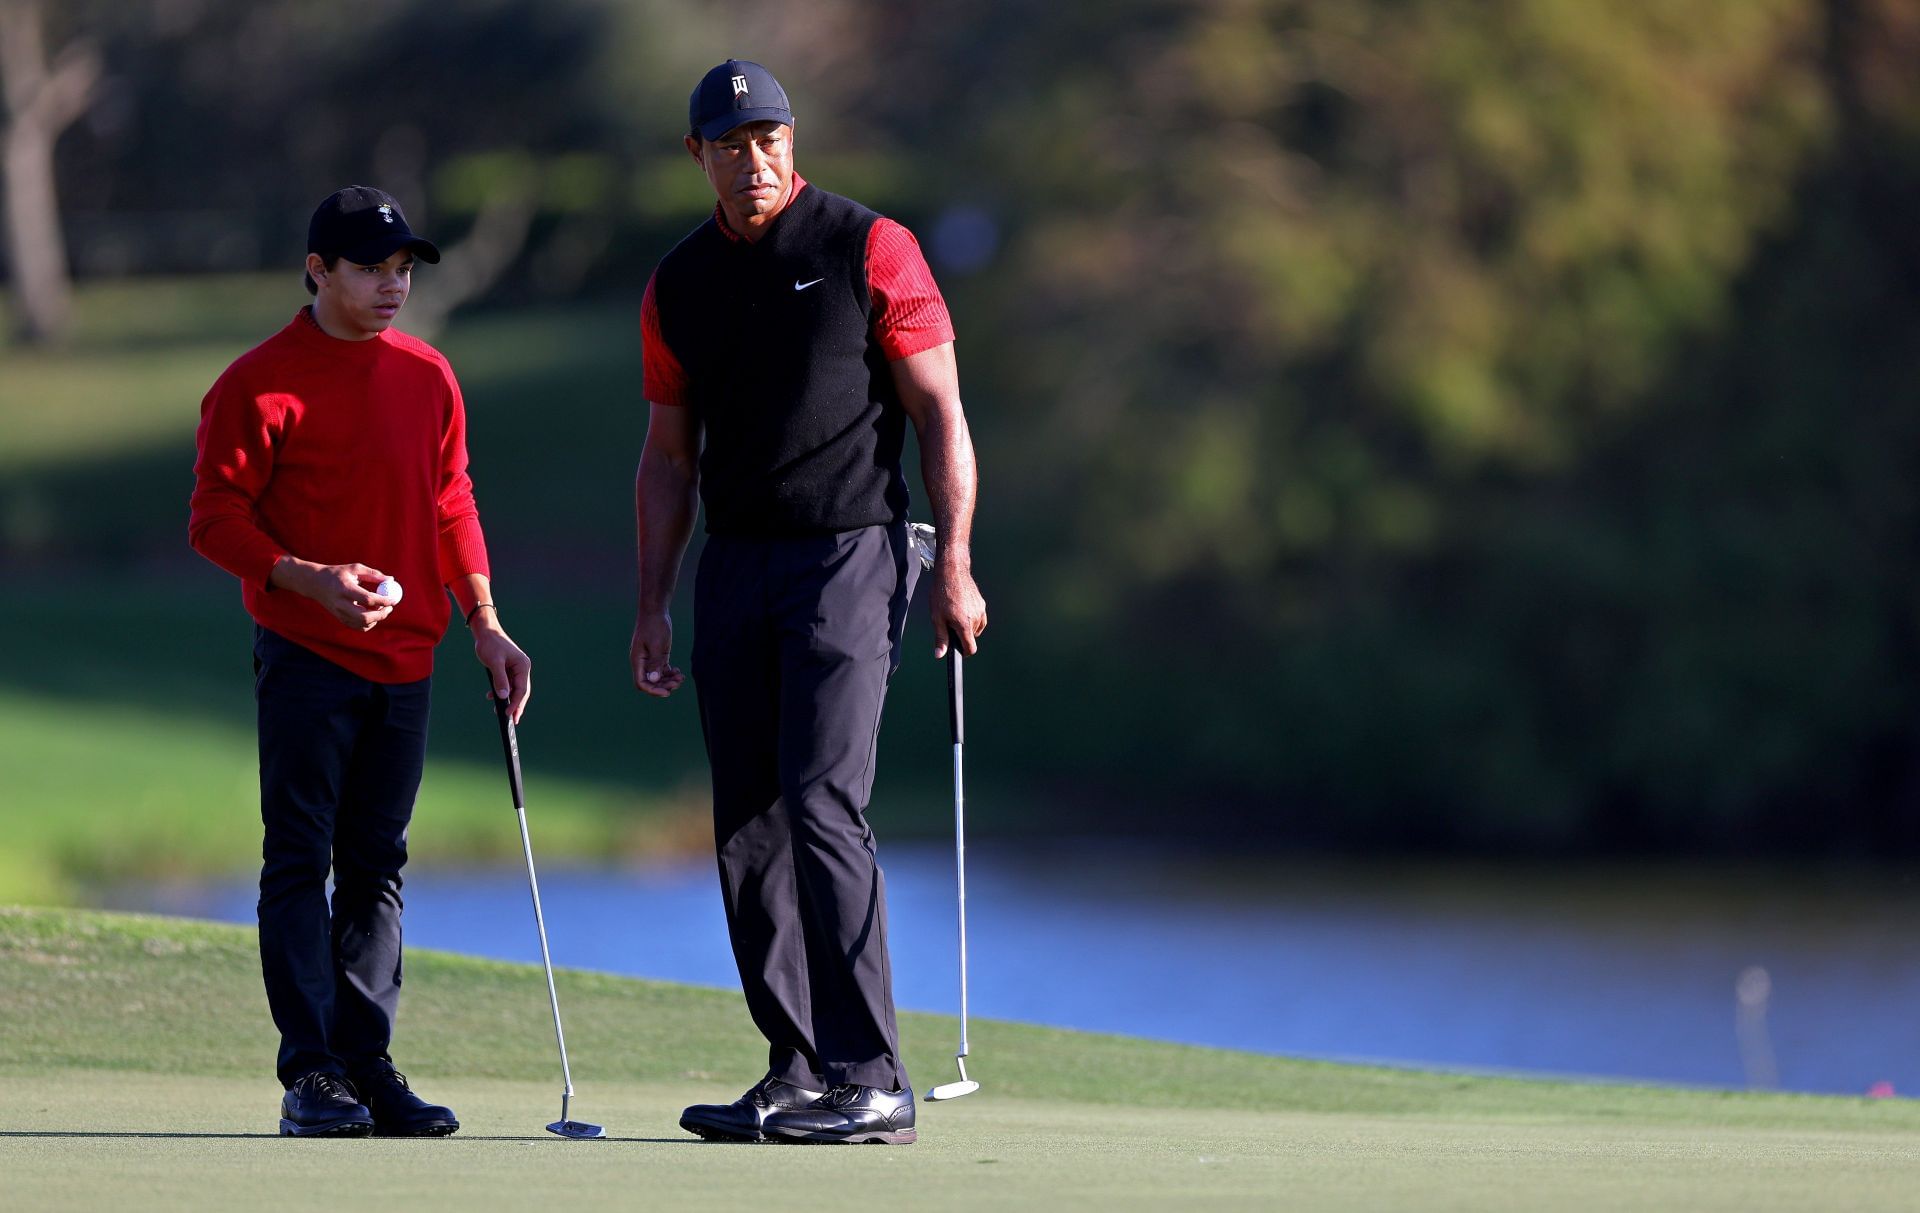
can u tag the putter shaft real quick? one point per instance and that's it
(960, 882)
(546, 959)
(510, 741)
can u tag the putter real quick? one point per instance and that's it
(957, 714)
(510, 742)
(925, 544)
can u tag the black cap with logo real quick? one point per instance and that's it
(365, 226)
(732, 94)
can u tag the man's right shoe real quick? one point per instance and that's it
(397, 1111)
(323, 1105)
(742, 1119)
(850, 1115)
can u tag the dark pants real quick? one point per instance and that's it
(794, 641)
(340, 761)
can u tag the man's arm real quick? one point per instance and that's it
(929, 387)
(665, 502)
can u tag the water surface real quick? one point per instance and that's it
(1612, 974)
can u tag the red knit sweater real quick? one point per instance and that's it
(340, 452)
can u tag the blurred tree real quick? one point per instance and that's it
(1386, 370)
(225, 120)
(43, 97)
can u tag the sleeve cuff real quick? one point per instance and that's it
(905, 345)
(463, 550)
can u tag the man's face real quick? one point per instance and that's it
(749, 167)
(364, 298)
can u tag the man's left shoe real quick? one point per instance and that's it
(397, 1111)
(849, 1115)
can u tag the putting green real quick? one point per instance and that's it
(135, 1051)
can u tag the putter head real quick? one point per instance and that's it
(925, 543)
(578, 1129)
(953, 1090)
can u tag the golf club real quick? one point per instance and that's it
(924, 542)
(510, 742)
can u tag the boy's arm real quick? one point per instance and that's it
(462, 544)
(464, 567)
(233, 461)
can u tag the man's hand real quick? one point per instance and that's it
(652, 643)
(345, 590)
(511, 668)
(959, 612)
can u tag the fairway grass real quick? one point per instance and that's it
(178, 796)
(136, 1056)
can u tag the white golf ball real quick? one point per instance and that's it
(389, 589)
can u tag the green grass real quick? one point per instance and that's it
(178, 797)
(131, 375)
(136, 1057)
(127, 734)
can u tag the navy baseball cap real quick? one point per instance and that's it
(732, 94)
(365, 226)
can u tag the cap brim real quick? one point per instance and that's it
(376, 251)
(736, 118)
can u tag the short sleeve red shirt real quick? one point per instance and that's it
(909, 314)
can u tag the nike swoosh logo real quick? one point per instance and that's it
(801, 286)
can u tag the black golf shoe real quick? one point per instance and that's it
(741, 1120)
(850, 1115)
(323, 1105)
(398, 1112)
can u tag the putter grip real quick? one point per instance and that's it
(956, 699)
(509, 743)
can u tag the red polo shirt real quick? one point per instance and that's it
(340, 452)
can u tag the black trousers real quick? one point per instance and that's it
(794, 642)
(340, 762)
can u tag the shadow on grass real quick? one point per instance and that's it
(118, 1133)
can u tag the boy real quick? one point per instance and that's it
(331, 479)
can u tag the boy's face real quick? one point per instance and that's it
(363, 298)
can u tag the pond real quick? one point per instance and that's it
(1624, 974)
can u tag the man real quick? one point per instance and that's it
(787, 340)
(331, 479)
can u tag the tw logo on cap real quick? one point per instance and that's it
(739, 85)
(386, 211)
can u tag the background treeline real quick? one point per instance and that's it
(1405, 424)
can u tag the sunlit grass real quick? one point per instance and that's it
(136, 1070)
(103, 792)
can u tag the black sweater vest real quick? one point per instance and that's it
(803, 426)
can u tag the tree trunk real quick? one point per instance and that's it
(472, 266)
(42, 101)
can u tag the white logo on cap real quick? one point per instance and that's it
(386, 212)
(739, 85)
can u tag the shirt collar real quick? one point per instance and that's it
(308, 329)
(726, 229)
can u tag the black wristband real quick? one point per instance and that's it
(476, 610)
